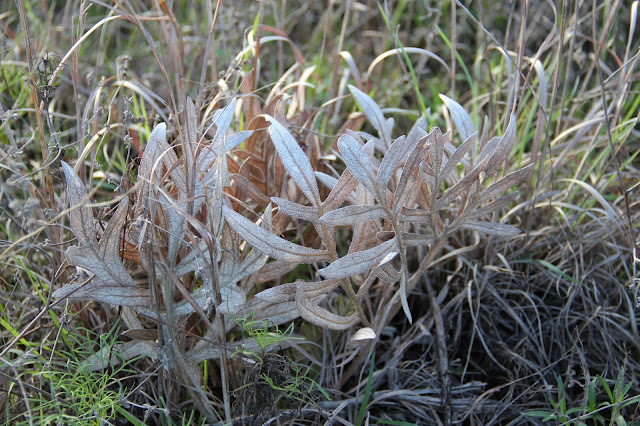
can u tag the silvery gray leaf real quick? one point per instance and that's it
(358, 262)
(458, 155)
(317, 315)
(358, 162)
(490, 228)
(460, 116)
(390, 161)
(350, 215)
(295, 210)
(295, 160)
(410, 172)
(269, 244)
(342, 191)
(505, 183)
(80, 216)
(371, 110)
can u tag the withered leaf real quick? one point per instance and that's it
(270, 244)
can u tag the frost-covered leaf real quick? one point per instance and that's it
(294, 160)
(270, 244)
(358, 262)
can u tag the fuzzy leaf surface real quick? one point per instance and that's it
(294, 160)
(358, 262)
(272, 245)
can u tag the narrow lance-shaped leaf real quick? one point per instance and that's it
(270, 244)
(503, 148)
(294, 160)
(295, 210)
(358, 162)
(403, 297)
(80, 216)
(313, 313)
(463, 120)
(464, 184)
(341, 190)
(358, 262)
(390, 161)
(491, 228)
(350, 215)
(505, 183)
(287, 292)
(371, 110)
(410, 170)
(458, 155)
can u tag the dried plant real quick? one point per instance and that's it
(402, 198)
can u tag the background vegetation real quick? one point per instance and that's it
(534, 327)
